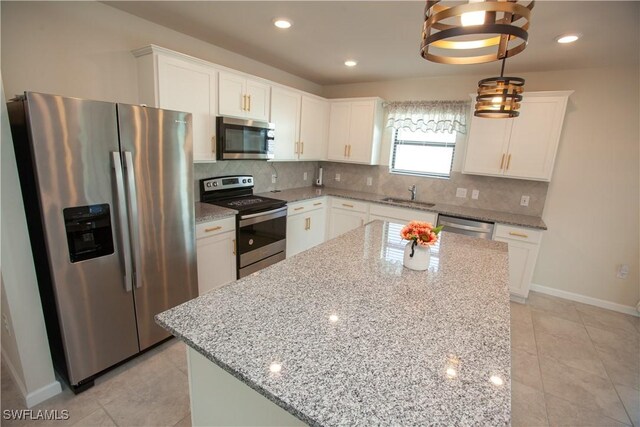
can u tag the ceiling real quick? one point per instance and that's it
(384, 36)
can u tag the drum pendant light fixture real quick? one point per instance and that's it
(499, 97)
(475, 32)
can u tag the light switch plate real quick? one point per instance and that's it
(273, 178)
(304, 176)
(524, 201)
(461, 192)
(338, 177)
(369, 181)
(475, 194)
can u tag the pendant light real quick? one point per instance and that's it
(499, 97)
(463, 34)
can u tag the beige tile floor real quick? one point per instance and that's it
(572, 365)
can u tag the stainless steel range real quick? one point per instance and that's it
(261, 223)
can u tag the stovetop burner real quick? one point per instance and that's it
(235, 192)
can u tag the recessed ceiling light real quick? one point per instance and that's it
(567, 38)
(282, 23)
(350, 63)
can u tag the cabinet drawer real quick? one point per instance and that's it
(306, 206)
(402, 214)
(350, 205)
(212, 228)
(518, 233)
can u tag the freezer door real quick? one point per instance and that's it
(157, 150)
(72, 143)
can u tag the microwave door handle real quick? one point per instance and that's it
(122, 219)
(133, 218)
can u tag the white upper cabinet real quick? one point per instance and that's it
(301, 124)
(523, 147)
(355, 130)
(314, 128)
(285, 114)
(242, 97)
(182, 84)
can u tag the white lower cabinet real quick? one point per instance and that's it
(215, 245)
(400, 215)
(524, 244)
(346, 215)
(306, 225)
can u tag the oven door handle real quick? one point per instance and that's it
(262, 216)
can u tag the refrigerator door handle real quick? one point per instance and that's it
(133, 218)
(122, 217)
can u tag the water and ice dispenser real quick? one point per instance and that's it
(89, 233)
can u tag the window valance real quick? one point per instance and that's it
(435, 116)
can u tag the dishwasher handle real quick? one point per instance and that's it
(465, 227)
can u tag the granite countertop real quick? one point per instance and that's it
(361, 340)
(305, 193)
(205, 212)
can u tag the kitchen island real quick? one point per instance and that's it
(343, 334)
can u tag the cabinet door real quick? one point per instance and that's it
(343, 221)
(188, 87)
(316, 228)
(216, 261)
(258, 100)
(361, 131)
(534, 138)
(522, 261)
(285, 114)
(314, 128)
(231, 92)
(296, 234)
(339, 118)
(487, 146)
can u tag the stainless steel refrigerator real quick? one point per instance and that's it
(108, 194)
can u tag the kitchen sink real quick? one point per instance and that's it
(408, 202)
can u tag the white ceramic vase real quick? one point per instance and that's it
(420, 259)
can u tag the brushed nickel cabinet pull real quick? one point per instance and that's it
(502, 162)
(513, 233)
(249, 96)
(244, 102)
(317, 204)
(208, 230)
(347, 206)
(213, 144)
(301, 147)
(234, 246)
(349, 151)
(508, 161)
(298, 209)
(295, 150)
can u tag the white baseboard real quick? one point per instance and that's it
(626, 309)
(43, 393)
(36, 396)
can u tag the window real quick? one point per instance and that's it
(423, 153)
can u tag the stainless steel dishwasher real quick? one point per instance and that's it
(469, 227)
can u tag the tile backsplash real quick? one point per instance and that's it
(289, 174)
(500, 194)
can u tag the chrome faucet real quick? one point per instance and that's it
(413, 190)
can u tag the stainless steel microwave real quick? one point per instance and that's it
(240, 139)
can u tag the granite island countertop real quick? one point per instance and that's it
(306, 193)
(361, 340)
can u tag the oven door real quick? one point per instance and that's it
(244, 139)
(261, 240)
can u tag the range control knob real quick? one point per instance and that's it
(249, 180)
(209, 185)
(215, 184)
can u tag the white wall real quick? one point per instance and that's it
(24, 342)
(592, 206)
(83, 49)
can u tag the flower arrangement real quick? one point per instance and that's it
(421, 233)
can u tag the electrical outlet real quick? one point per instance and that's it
(623, 271)
(274, 177)
(475, 194)
(369, 181)
(338, 177)
(461, 192)
(304, 176)
(524, 201)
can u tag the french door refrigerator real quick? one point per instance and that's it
(108, 193)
